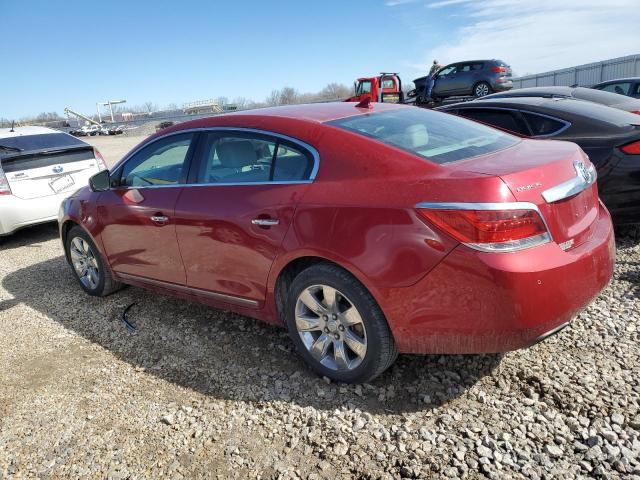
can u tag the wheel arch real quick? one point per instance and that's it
(293, 266)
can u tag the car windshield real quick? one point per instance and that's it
(435, 136)
(39, 142)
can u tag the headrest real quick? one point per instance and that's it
(417, 135)
(236, 153)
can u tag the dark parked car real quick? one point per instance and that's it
(610, 137)
(366, 232)
(474, 77)
(116, 130)
(604, 98)
(163, 125)
(622, 86)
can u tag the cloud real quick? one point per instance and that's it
(541, 35)
(446, 3)
(395, 3)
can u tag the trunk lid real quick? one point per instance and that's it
(35, 174)
(550, 175)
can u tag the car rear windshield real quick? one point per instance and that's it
(595, 111)
(598, 96)
(43, 141)
(435, 136)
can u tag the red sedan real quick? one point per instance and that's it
(366, 231)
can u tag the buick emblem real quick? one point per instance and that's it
(582, 171)
(58, 169)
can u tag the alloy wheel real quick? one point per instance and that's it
(84, 263)
(482, 90)
(331, 327)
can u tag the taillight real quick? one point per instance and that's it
(499, 69)
(4, 183)
(99, 159)
(631, 148)
(637, 112)
(496, 228)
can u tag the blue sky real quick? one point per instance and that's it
(74, 53)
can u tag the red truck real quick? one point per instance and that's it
(387, 88)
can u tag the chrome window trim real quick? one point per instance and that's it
(511, 246)
(566, 123)
(306, 146)
(571, 187)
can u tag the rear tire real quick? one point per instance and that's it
(88, 265)
(337, 326)
(481, 89)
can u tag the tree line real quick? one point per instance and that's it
(283, 96)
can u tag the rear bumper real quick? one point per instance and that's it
(16, 213)
(475, 302)
(502, 87)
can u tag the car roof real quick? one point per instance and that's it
(313, 112)
(30, 130)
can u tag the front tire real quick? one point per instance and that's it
(337, 326)
(87, 264)
(481, 89)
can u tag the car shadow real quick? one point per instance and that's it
(229, 356)
(29, 236)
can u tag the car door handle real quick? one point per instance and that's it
(265, 222)
(159, 219)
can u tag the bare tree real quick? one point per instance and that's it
(288, 96)
(150, 107)
(335, 91)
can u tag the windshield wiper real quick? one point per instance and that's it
(13, 149)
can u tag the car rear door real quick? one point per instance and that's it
(137, 213)
(232, 218)
(44, 165)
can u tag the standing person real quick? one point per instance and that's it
(431, 80)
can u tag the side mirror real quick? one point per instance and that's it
(100, 182)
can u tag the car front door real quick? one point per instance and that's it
(445, 81)
(233, 216)
(137, 213)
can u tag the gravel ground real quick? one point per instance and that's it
(113, 147)
(196, 392)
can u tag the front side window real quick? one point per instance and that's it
(364, 87)
(447, 70)
(435, 136)
(160, 163)
(247, 158)
(621, 88)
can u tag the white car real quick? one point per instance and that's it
(40, 167)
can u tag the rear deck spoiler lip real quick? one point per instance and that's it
(573, 186)
(44, 151)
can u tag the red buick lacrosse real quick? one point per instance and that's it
(365, 231)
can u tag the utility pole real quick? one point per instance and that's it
(98, 110)
(110, 103)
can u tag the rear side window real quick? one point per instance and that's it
(541, 125)
(469, 67)
(40, 142)
(247, 158)
(504, 119)
(435, 136)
